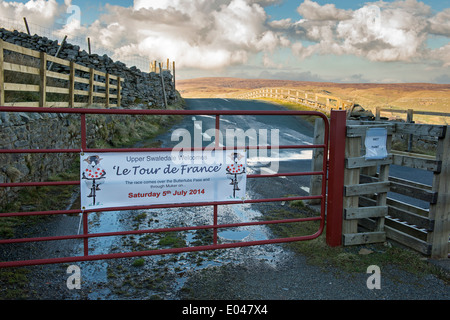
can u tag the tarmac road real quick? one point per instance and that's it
(258, 130)
(292, 130)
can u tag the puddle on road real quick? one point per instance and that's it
(234, 235)
(163, 276)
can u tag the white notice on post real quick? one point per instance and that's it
(147, 178)
(376, 140)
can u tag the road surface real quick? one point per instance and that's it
(292, 130)
(258, 130)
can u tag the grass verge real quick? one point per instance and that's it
(295, 107)
(349, 259)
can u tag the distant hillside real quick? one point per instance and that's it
(417, 96)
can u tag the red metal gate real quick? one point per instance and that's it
(85, 236)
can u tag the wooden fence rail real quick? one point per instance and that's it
(409, 113)
(327, 102)
(371, 215)
(83, 84)
(322, 102)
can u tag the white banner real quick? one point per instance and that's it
(149, 178)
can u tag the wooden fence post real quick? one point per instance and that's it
(174, 78)
(2, 79)
(163, 86)
(72, 85)
(91, 86)
(119, 91)
(107, 90)
(409, 119)
(43, 80)
(440, 212)
(382, 196)
(89, 45)
(26, 25)
(352, 150)
(317, 160)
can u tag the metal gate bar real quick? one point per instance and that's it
(86, 236)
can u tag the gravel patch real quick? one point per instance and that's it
(295, 279)
(179, 277)
(269, 272)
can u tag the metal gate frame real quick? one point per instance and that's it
(215, 226)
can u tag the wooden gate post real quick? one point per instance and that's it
(440, 212)
(336, 178)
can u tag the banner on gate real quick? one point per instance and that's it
(149, 178)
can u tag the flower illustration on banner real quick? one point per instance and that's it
(94, 175)
(235, 170)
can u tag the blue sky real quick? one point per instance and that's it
(313, 40)
(282, 10)
(285, 9)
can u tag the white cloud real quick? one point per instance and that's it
(440, 23)
(379, 31)
(43, 12)
(216, 34)
(442, 54)
(209, 34)
(311, 10)
(390, 35)
(161, 4)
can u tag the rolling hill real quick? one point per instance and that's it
(417, 96)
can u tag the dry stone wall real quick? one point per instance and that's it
(142, 88)
(62, 131)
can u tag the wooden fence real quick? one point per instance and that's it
(81, 86)
(322, 102)
(326, 103)
(410, 119)
(409, 113)
(370, 214)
